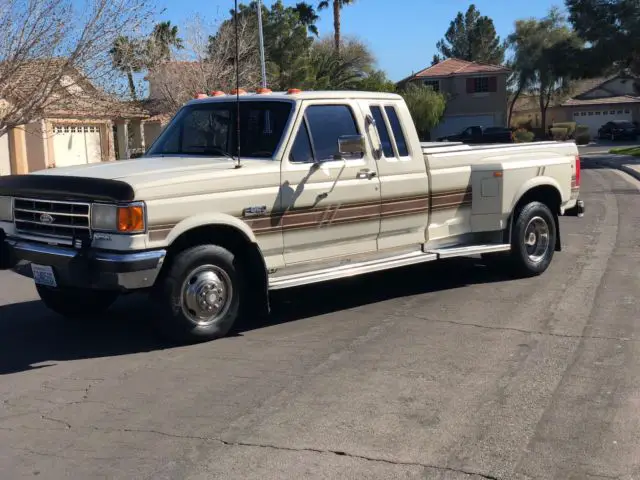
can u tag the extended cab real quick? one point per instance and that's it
(327, 185)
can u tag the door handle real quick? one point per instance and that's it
(366, 173)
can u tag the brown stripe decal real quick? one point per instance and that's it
(341, 214)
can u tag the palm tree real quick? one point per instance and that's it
(163, 38)
(127, 58)
(308, 16)
(338, 5)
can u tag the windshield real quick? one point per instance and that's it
(210, 128)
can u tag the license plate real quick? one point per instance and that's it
(43, 275)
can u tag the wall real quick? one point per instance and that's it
(151, 131)
(463, 103)
(5, 158)
(36, 146)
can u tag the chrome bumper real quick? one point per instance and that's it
(87, 268)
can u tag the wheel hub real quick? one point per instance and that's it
(536, 239)
(206, 295)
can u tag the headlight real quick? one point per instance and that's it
(118, 218)
(6, 209)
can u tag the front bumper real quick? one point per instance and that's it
(88, 269)
(577, 210)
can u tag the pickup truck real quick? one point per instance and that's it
(476, 135)
(306, 187)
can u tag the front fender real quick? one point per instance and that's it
(210, 219)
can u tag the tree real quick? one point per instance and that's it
(472, 37)
(60, 38)
(346, 70)
(338, 5)
(128, 57)
(377, 81)
(538, 68)
(163, 39)
(612, 27)
(308, 16)
(426, 106)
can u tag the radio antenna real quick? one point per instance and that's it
(237, 62)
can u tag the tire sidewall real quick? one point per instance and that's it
(525, 264)
(175, 323)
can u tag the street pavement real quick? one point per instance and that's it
(447, 371)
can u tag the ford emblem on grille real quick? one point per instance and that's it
(46, 218)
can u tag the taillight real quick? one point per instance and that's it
(577, 171)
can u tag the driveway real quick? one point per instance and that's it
(599, 147)
(447, 371)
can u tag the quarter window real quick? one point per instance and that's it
(401, 142)
(383, 133)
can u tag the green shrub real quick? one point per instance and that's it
(558, 133)
(570, 126)
(522, 135)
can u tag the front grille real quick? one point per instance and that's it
(49, 218)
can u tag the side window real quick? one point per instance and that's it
(383, 133)
(301, 151)
(326, 124)
(401, 142)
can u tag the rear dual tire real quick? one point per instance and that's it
(533, 241)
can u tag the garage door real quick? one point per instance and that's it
(76, 144)
(455, 124)
(594, 119)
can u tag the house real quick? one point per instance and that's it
(592, 102)
(476, 93)
(77, 123)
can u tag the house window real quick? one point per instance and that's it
(583, 114)
(434, 84)
(612, 112)
(481, 85)
(626, 110)
(597, 113)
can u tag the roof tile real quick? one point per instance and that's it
(455, 66)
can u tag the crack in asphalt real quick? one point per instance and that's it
(522, 330)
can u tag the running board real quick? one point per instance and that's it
(468, 250)
(350, 270)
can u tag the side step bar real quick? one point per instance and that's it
(360, 268)
(351, 270)
(468, 250)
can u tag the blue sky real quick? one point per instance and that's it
(401, 33)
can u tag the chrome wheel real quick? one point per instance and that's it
(536, 239)
(206, 295)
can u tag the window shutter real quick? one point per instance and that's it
(493, 84)
(470, 85)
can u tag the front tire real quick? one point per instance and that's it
(76, 303)
(198, 299)
(533, 239)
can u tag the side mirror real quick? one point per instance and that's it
(351, 146)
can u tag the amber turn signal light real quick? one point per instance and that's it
(131, 219)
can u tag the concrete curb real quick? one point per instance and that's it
(618, 165)
(630, 171)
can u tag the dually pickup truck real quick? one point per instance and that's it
(318, 186)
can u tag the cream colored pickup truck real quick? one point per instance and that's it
(327, 185)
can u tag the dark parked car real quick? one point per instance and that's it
(618, 129)
(478, 134)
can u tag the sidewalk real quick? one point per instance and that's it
(629, 165)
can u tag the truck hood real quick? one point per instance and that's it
(140, 179)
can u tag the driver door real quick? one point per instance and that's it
(330, 205)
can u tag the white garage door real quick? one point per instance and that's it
(76, 144)
(594, 119)
(455, 124)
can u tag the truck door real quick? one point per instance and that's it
(330, 204)
(403, 176)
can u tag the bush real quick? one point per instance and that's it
(558, 133)
(570, 126)
(426, 106)
(522, 135)
(582, 135)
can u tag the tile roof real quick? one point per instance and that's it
(574, 102)
(455, 66)
(33, 76)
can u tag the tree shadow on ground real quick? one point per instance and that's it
(31, 336)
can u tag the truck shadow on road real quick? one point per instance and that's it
(32, 337)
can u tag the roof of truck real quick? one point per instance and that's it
(301, 95)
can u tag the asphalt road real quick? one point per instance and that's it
(445, 371)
